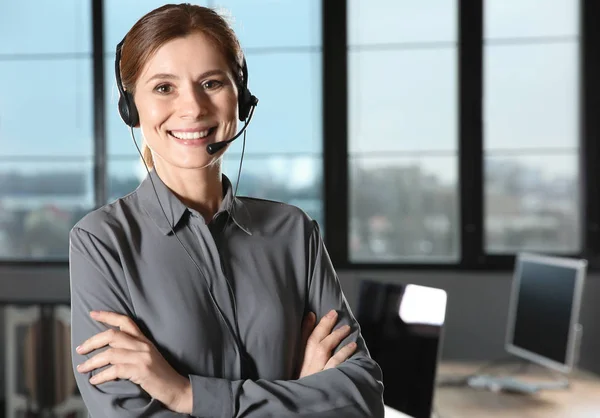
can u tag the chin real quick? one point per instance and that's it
(197, 162)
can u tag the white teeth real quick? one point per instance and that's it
(190, 135)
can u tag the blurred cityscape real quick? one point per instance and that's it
(396, 212)
(408, 214)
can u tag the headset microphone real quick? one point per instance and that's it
(218, 146)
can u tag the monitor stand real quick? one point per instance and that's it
(513, 385)
(507, 383)
(508, 379)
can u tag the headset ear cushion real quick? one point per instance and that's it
(244, 104)
(124, 110)
(128, 111)
(134, 117)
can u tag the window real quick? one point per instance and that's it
(403, 194)
(531, 129)
(46, 175)
(283, 155)
(402, 140)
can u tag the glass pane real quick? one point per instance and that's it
(48, 27)
(392, 21)
(121, 15)
(277, 126)
(402, 131)
(39, 204)
(531, 96)
(412, 109)
(55, 96)
(296, 23)
(296, 180)
(531, 129)
(124, 175)
(288, 118)
(532, 203)
(34, 375)
(404, 209)
(531, 18)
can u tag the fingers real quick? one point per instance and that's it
(323, 329)
(123, 322)
(335, 338)
(112, 356)
(112, 338)
(321, 343)
(342, 355)
(118, 371)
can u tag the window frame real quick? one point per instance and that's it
(470, 142)
(335, 142)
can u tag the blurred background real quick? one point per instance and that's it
(431, 143)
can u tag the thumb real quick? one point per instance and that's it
(308, 325)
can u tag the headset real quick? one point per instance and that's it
(247, 103)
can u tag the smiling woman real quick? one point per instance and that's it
(205, 303)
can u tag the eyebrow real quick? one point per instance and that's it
(167, 76)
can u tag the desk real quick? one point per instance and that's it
(581, 400)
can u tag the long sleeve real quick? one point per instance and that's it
(353, 389)
(97, 284)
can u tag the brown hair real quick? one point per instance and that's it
(169, 22)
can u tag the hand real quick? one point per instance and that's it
(135, 358)
(319, 342)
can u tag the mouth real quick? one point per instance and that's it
(193, 137)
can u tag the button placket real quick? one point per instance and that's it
(220, 287)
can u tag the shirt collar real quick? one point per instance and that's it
(174, 209)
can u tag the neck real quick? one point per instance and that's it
(199, 189)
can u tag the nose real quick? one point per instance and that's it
(193, 102)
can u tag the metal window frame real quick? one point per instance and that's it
(100, 163)
(589, 88)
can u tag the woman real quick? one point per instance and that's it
(198, 295)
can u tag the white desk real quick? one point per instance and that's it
(394, 413)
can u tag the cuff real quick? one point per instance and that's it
(212, 397)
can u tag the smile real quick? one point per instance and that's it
(186, 136)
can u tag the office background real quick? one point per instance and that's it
(431, 140)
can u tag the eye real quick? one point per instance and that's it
(163, 88)
(212, 84)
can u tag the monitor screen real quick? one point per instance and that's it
(544, 310)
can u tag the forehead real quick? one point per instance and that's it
(190, 54)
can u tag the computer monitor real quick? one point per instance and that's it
(402, 325)
(543, 322)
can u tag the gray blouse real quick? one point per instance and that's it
(230, 319)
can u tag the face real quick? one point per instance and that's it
(186, 98)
